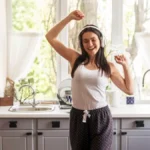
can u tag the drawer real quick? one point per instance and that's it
(53, 124)
(16, 124)
(138, 123)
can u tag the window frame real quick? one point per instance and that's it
(62, 68)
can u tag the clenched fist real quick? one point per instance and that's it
(121, 59)
(76, 15)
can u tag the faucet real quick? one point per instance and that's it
(144, 76)
(33, 93)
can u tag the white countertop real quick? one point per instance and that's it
(131, 111)
(123, 111)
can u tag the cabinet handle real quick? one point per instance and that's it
(139, 123)
(40, 133)
(12, 124)
(28, 133)
(114, 133)
(55, 124)
(123, 133)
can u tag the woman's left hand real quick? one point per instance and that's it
(121, 59)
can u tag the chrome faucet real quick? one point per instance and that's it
(144, 76)
(33, 93)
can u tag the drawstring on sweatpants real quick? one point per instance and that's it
(85, 115)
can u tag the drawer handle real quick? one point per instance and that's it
(139, 123)
(55, 124)
(40, 133)
(28, 133)
(12, 124)
(123, 133)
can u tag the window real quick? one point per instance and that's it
(38, 15)
(117, 25)
(136, 18)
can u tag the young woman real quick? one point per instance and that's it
(90, 117)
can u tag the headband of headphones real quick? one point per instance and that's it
(90, 26)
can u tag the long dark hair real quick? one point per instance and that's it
(100, 59)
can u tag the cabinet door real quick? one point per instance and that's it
(16, 140)
(53, 140)
(115, 141)
(135, 139)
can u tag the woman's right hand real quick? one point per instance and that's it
(76, 15)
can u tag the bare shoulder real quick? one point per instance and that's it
(110, 64)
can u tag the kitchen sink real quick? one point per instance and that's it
(31, 109)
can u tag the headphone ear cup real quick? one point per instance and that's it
(102, 42)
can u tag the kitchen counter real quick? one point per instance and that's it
(123, 111)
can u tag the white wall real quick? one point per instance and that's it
(3, 46)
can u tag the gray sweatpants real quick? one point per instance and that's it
(95, 134)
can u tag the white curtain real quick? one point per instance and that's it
(17, 51)
(22, 48)
(143, 45)
(3, 47)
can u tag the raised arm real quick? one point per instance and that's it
(53, 33)
(123, 83)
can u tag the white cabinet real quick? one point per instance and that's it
(135, 134)
(131, 134)
(53, 134)
(34, 134)
(16, 134)
(16, 140)
(53, 140)
(135, 140)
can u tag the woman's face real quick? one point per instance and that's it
(91, 43)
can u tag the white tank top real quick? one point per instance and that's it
(88, 88)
